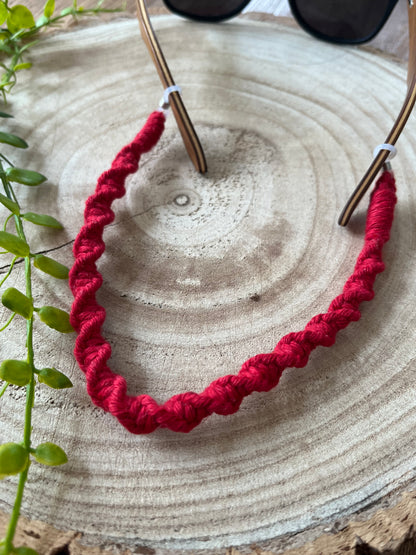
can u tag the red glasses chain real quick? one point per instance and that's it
(181, 413)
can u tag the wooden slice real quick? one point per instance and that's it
(202, 272)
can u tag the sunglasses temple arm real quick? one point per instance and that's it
(189, 136)
(381, 158)
(397, 128)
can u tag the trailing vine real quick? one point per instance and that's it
(16, 458)
(21, 27)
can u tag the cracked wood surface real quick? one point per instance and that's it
(317, 458)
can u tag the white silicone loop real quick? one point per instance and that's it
(386, 146)
(164, 102)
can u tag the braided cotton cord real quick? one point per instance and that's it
(182, 412)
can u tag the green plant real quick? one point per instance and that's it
(16, 38)
(15, 458)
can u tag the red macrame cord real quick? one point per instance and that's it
(142, 414)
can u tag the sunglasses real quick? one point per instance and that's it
(336, 21)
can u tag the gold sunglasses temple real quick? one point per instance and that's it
(189, 136)
(397, 128)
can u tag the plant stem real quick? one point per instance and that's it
(10, 70)
(52, 21)
(27, 432)
(30, 388)
(9, 271)
(11, 529)
(3, 389)
(9, 321)
(8, 540)
(7, 221)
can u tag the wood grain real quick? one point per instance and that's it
(203, 272)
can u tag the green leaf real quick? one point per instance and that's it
(3, 13)
(25, 177)
(14, 244)
(51, 267)
(42, 219)
(25, 65)
(4, 115)
(42, 21)
(50, 454)
(13, 458)
(19, 17)
(15, 301)
(12, 140)
(17, 372)
(49, 8)
(55, 318)
(53, 378)
(67, 11)
(10, 204)
(24, 551)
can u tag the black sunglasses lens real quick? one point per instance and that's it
(342, 20)
(209, 10)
